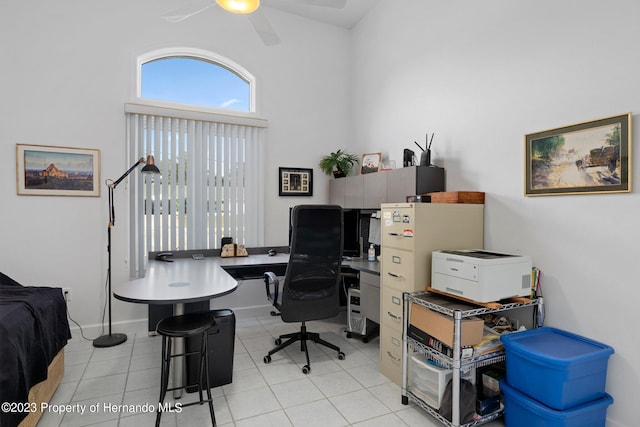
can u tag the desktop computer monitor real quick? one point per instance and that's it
(351, 238)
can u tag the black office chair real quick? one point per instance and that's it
(311, 283)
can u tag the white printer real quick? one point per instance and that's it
(480, 275)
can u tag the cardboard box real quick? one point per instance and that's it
(440, 326)
(473, 197)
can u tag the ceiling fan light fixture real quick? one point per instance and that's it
(239, 6)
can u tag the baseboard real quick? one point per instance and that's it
(140, 326)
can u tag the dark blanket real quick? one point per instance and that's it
(33, 329)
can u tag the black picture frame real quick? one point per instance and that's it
(595, 154)
(295, 182)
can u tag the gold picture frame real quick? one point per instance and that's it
(43, 170)
(589, 157)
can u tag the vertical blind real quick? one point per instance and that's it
(210, 186)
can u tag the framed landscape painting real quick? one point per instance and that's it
(590, 157)
(57, 171)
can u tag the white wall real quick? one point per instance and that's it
(67, 71)
(481, 75)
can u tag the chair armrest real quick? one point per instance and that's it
(271, 278)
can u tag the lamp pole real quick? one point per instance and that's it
(111, 339)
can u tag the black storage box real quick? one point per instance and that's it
(220, 348)
(157, 312)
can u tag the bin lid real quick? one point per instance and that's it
(555, 345)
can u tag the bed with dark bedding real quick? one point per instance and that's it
(33, 330)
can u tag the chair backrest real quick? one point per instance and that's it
(312, 280)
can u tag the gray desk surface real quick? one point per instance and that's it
(372, 267)
(187, 280)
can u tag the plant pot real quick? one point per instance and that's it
(338, 174)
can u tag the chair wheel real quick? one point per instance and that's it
(278, 341)
(341, 355)
(267, 359)
(349, 335)
(306, 369)
(365, 340)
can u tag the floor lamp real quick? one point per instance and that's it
(111, 339)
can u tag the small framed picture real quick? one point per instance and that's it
(585, 158)
(57, 171)
(370, 163)
(295, 182)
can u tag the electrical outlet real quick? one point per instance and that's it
(67, 294)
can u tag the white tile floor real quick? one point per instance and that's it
(348, 392)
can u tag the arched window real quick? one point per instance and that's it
(211, 181)
(197, 78)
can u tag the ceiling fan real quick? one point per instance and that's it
(251, 8)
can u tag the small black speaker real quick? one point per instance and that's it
(408, 158)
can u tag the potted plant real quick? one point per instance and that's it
(338, 163)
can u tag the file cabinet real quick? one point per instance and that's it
(410, 232)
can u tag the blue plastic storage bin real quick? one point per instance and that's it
(555, 367)
(520, 410)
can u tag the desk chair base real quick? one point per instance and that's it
(303, 336)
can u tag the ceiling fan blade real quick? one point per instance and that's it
(263, 28)
(335, 4)
(188, 11)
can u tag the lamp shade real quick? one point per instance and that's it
(239, 6)
(150, 166)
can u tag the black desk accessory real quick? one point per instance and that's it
(425, 157)
(164, 256)
(407, 158)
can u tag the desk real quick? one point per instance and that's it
(372, 267)
(186, 280)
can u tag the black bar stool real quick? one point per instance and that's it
(183, 327)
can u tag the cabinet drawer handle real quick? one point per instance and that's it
(393, 316)
(395, 234)
(397, 276)
(392, 356)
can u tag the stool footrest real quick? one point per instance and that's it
(184, 386)
(191, 353)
